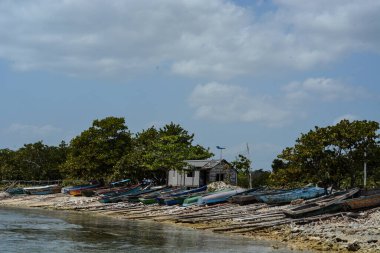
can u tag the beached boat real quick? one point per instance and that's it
(148, 189)
(326, 204)
(15, 191)
(171, 201)
(249, 196)
(218, 197)
(78, 191)
(187, 192)
(367, 199)
(178, 196)
(43, 190)
(289, 196)
(194, 198)
(151, 198)
(118, 196)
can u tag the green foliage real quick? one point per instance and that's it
(330, 156)
(242, 165)
(95, 152)
(260, 178)
(35, 161)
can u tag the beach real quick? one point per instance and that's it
(349, 232)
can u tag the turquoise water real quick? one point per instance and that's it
(51, 231)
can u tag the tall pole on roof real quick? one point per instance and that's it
(365, 169)
(221, 151)
(249, 169)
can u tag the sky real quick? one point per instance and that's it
(231, 72)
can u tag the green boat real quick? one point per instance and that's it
(148, 201)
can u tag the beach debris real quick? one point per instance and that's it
(219, 186)
(353, 246)
(4, 195)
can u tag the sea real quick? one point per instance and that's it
(34, 230)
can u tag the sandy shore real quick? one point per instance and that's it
(359, 233)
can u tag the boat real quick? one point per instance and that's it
(289, 196)
(186, 192)
(116, 196)
(78, 190)
(194, 198)
(43, 190)
(249, 196)
(218, 197)
(15, 191)
(68, 188)
(171, 201)
(178, 196)
(148, 189)
(151, 198)
(368, 199)
(326, 204)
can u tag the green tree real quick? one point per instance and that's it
(260, 178)
(242, 165)
(95, 152)
(173, 145)
(8, 166)
(331, 156)
(34, 161)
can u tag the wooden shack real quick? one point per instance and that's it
(197, 173)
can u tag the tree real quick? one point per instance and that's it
(95, 152)
(8, 166)
(173, 145)
(34, 161)
(260, 178)
(242, 165)
(331, 156)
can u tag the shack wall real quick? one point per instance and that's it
(181, 178)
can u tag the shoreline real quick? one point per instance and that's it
(336, 234)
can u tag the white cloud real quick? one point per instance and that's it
(231, 103)
(325, 89)
(32, 131)
(212, 38)
(349, 117)
(222, 102)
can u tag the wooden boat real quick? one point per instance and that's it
(151, 198)
(15, 191)
(289, 196)
(171, 201)
(322, 205)
(368, 199)
(177, 197)
(194, 198)
(68, 188)
(186, 192)
(218, 197)
(118, 196)
(148, 189)
(78, 191)
(249, 196)
(120, 183)
(43, 190)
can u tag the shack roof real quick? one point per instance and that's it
(204, 164)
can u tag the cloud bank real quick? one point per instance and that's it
(232, 103)
(215, 38)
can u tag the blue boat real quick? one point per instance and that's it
(289, 196)
(15, 191)
(42, 190)
(118, 196)
(218, 197)
(178, 197)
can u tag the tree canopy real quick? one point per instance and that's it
(330, 156)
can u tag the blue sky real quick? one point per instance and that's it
(232, 72)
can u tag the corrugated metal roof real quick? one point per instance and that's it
(202, 164)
